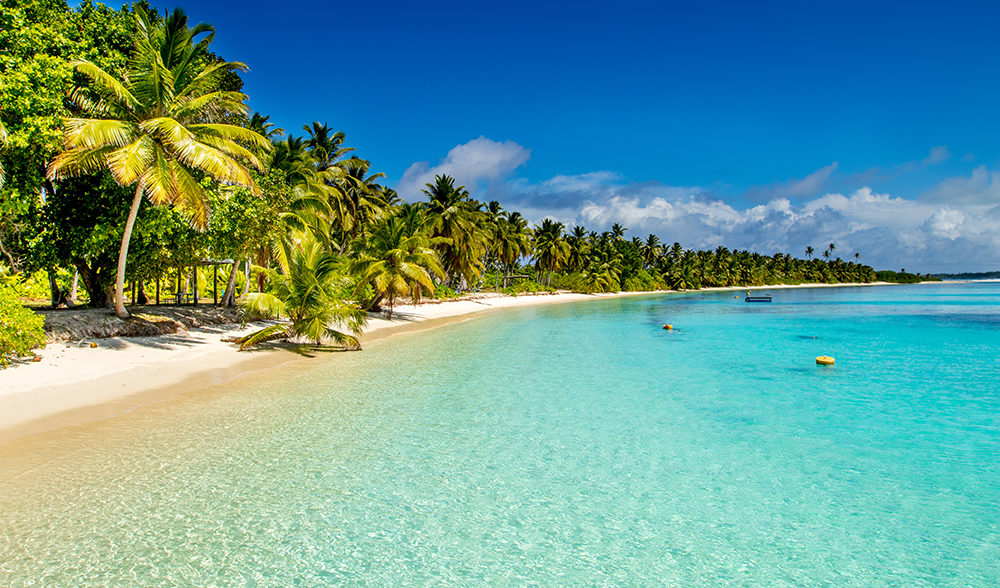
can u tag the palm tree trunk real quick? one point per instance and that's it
(123, 253)
(229, 296)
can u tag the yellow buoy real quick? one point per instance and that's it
(667, 327)
(824, 360)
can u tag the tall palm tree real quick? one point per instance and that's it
(361, 203)
(650, 250)
(307, 291)
(578, 247)
(155, 123)
(455, 218)
(396, 261)
(617, 232)
(551, 249)
(810, 251)
(513, 241)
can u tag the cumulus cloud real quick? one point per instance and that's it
(479, 161)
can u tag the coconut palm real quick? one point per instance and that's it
(513, 241)
(326, 146)
(551, 249)
(396, 261)
(455, 217)
(308, 291)
(154, 124)
(810, 251)
(361, 203)
(650, 250)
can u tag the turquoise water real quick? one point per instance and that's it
(560, 445)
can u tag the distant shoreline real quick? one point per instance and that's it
(74, 383)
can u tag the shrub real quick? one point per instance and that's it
(20, 328)
(641, 281)
(527, 287)
(443, 292)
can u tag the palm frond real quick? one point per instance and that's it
(105, 83)
(92, 133)
(270, 333)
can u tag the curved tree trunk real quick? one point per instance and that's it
(229, 296)
(123, 253)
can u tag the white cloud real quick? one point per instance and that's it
(479, 160)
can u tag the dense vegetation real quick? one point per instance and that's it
(903, 277)
(968, 276)
(130, 160)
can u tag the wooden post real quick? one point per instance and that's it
(177, 300)
(157, 289)
(215, 284)
(133, 292)
(194, 300)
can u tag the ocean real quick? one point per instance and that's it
(567, 444)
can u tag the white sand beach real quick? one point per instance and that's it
(74, 382)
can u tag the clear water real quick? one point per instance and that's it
(561, 445)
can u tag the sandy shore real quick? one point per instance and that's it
(75, 383)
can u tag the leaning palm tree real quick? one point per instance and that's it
(397, 261)
(156, 123)
(309, 292)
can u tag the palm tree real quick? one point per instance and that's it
(307, 291)
(263, 126)
(326, 146)
(810, 251)
(455, 218)
(395, 261)
(617, 232)
(857, 256)
(650, 250)
(513, 241)
(551, 249)
(157, 123)
(578, 247)
(361, 204)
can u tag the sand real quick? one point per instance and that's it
(75, 383)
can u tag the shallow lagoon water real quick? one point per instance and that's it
(568, 444)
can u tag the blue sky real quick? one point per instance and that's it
(769, 126)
